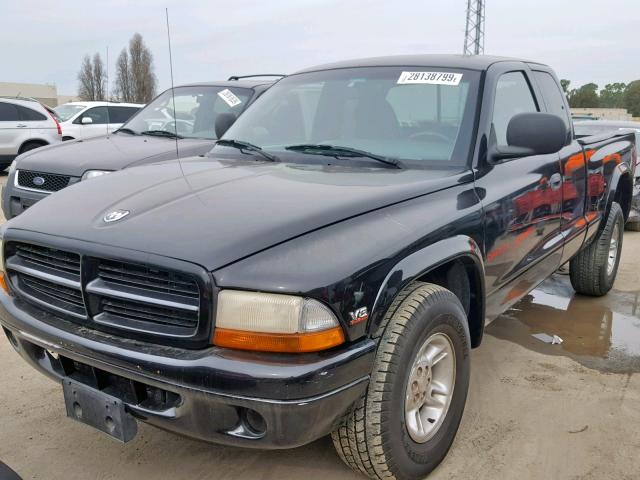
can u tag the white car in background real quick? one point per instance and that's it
(81, 120)
(25, 124)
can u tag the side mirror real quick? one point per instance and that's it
(534, 133)
(223, 122)
(86, 120)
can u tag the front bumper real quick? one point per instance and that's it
(16, 200)
(237, 398)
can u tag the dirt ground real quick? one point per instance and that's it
(534, 411)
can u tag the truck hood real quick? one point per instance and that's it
(214, 211)
(108, 153)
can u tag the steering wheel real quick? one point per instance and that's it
(437, 136)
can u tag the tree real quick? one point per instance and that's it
(123, 89)
(632, 98)
(135, 80)
(584, 97)
(92, 78)
(565, 86)
(612, 95)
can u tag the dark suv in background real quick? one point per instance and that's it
(203, 111)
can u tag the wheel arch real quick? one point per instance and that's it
(621, 190)
(41, 142)
(441, 263)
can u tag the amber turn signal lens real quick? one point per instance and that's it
(278, 342)
(3, 283)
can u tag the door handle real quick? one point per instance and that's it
(21, 125)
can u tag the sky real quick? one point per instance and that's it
(44, 42)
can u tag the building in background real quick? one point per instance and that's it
(47, 94)
(604, 113)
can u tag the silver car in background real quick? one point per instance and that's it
(25, 124)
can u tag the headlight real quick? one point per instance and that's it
(274, 323)
(94, 173)
(12, 168)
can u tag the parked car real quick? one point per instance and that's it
(25, 124)
(327, 267)
(82, 120)
(149, 136)
(600, 127)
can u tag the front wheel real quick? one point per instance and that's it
(405, 423)
(593, 270)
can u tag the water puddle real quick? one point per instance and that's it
(601, 333)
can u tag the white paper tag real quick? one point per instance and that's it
(229, 97)
(432, 78)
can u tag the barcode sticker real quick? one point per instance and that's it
(229, 97)
(432, 78)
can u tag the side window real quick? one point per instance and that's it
(29, 115)
(8, 112)
(97, 114)
(121, 114)
(513, 96)
(553, 97)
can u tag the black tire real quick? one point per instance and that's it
(588, 269)
(374, 438)
(30, 146)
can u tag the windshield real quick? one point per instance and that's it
(196, 110)
(65, 112)
(418, 115)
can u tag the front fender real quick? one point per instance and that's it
(421, 263)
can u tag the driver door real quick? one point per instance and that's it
(522, 202)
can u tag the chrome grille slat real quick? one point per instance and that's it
(154, 314)
(99, 287)
(66, 294)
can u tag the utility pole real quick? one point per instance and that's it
(474, 31)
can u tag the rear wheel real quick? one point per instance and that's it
(593, 270)
(405, 423)
(30, 146)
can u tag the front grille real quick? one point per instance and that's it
(147, 278)
(47, 182)
(49, 258)
(63, 298)
(105, 293)
(142, 312)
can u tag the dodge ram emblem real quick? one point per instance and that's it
(115, 215)
(39, 181)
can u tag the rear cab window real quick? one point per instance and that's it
(552, 95)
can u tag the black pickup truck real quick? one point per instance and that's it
(327, 267)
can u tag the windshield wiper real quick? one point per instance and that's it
(240, 145)
(161, 133)
(338, 151)
(126, 130)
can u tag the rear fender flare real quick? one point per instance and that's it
(622, 173)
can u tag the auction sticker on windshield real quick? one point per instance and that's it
(433, 78)
(229, 97)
